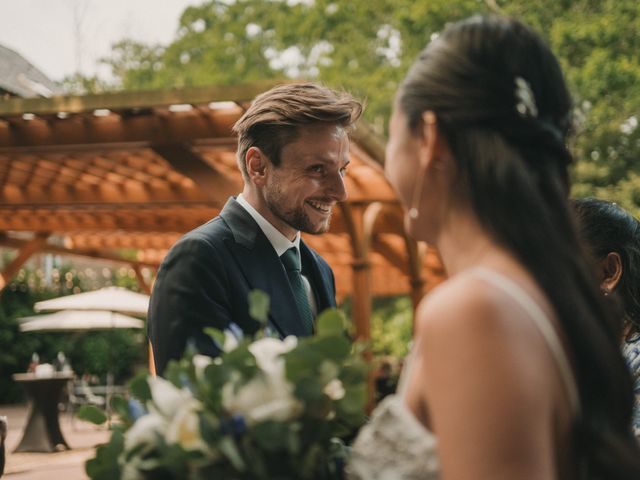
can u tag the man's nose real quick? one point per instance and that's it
(337, 188)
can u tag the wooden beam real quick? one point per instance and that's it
(93, 254)
(371, 142)
(27, 249)
(210, 181)
(390, 253)
(135, 99)
(178, 220)
(142, 129)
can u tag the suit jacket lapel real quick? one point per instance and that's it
(262, 268)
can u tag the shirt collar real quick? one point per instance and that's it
(278, 241)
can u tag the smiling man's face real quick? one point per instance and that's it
(303, 189)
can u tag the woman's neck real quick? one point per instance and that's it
(463, 243)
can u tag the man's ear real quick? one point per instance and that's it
(257, 164)
(611, 268)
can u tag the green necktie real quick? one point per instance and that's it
(291, 263)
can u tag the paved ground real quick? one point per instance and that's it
(82, 437)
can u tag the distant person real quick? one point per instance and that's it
(61, 364)
(613, 237)
(3, 436)
(293, 151)
(33, 364)
(385, 381)
(515, 372)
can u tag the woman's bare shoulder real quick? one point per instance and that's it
(468, 323)
(465, 301)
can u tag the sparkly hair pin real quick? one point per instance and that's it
(526, 102)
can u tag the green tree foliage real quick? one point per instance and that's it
(392, 326)
(366, 46)
(599, 48)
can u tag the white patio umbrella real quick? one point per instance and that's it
(112, 299)
(78, 320)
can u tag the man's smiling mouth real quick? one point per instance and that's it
(321, 206)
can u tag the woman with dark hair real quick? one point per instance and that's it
(612, 236)
(515, 372)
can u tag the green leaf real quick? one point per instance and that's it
(241, 360)
(336, 348)
(120, 405)
(259, 303)
(311, 460)
(209, 427)
(230, 450)
(91, 413)
(293, 438)
(105, 464)
(271, 436)
(308, 389)
(354, 400)
(139, 387)
(217, 335)
(331, 322)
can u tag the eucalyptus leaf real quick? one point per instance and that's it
(91, 413)
(331, 322)
(120, 405)
(105, 465)
(216, 335)
(230, 450)
(259, 304)
(139, 387)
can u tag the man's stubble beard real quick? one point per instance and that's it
(296, 218)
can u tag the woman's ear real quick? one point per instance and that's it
(256, 163)
(611, 270)
(433, 143)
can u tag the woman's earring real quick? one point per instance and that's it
(413, 213)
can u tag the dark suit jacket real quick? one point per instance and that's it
(206, 277)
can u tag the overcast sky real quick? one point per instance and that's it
(46, 32)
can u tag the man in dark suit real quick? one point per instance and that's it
(293, 149)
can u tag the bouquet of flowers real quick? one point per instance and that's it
(265, 409)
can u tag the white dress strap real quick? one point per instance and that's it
(544, 325)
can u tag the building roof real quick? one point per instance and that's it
(20, 78)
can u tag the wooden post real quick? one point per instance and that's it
(146, 289)
(361, 281)
(29, 248)
(141, 282)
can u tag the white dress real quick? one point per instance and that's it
(394, 445)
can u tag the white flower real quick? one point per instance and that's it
(130, 471)
(144, 431)
(334, 389)
(268, 396)
(200, 362)
(167, 397)
(268, 352)
(232, 336)
(184, 427)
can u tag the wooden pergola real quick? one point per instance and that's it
(94, 175)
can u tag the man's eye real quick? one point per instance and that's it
(317, 169)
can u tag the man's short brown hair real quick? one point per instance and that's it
(274, 117)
